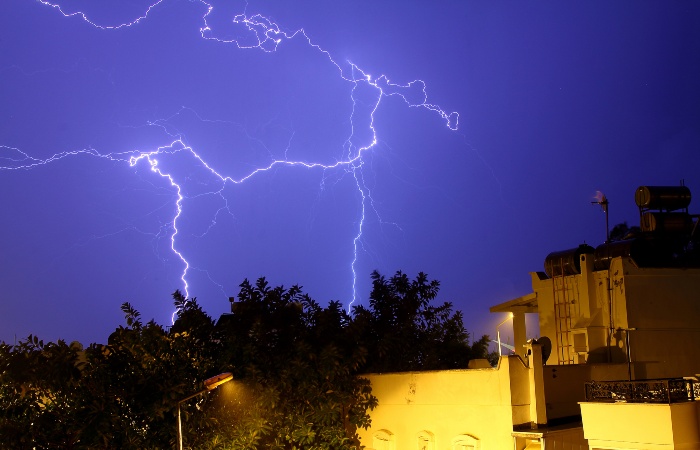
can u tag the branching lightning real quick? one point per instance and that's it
(262, 34)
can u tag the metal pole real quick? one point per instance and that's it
(179, 426)
(498, 333)
(627, 348)
(629, 358)
(179, 417)
(607, 226)
(210, 384)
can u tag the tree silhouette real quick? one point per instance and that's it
(403, 331)
(303, 364)
(297, 371)
(623, 231)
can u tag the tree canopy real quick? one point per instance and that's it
(404, 331)
(297, 371)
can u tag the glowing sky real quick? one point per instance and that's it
(458, 138)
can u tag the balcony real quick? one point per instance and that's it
(667, 390)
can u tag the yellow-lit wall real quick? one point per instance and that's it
(564, 385)
(641, 425)
(485, 406)
(661, 304)
(482, 403)
(664, 307)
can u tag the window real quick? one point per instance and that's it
(383, 440)
(426, 440)
(580, 345)
(465, 442)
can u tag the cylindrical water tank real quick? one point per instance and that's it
(669, 198)
(633, 248)
(566, 262)
(676, 223)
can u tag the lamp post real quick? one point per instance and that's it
(209, 384)
(498, 332)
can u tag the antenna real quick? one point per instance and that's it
(602, 200)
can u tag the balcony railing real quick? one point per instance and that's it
(669, 390)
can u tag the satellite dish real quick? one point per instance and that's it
(546, 344)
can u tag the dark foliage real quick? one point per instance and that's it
(296, 366)
(403, 331)
(623, 231)
(300, 358)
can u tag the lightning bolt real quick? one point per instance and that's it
(256, 33)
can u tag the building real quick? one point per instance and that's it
(614, 367)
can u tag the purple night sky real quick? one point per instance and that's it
(123, 123)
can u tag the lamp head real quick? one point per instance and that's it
(216, 381)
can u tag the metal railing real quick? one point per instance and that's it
(669, 390)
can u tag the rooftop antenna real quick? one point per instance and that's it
(602, 200)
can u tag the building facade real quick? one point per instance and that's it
(614, 368)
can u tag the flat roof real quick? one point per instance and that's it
(526, 303)
(540, 432)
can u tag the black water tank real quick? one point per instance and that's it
(672, 223)
(633, 248)
(566, 262)
(669, 198)
(645, 251)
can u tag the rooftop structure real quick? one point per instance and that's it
(620, 327)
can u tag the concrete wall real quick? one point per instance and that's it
(664, 307)
(480, 403)
(564, 386)
(641, 425)
(480, 407)
(661, 304)
(553, 439)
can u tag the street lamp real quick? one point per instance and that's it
(498, 332)
(209, 384)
